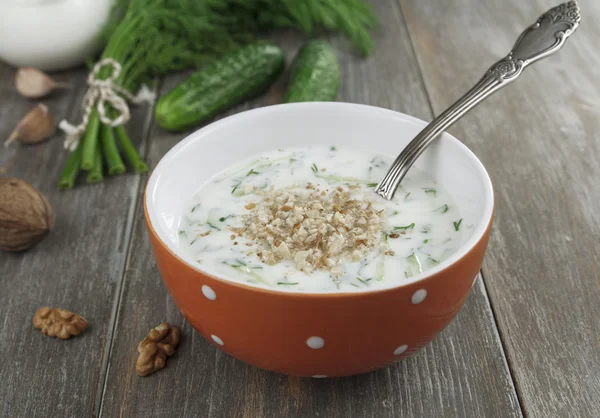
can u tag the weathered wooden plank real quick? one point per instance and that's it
(462, 373)
(77, 267)
(539, 141)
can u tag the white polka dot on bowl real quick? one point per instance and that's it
(217, 340)
(419, 296)
(400, 350)
(315, 342)
(208, 292)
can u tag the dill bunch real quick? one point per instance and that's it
(153, 37)
(150, 38)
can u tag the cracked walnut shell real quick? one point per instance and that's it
(159, 344)
(60, 323)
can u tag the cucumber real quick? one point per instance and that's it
(315, 74)
(225, 82)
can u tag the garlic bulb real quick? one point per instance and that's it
(33, 83)
(36, 126)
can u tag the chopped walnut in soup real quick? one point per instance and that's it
(307, 219)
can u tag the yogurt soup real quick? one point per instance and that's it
(307, 219)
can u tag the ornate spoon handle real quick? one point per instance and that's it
(539, 40)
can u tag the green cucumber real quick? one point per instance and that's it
(227, 81)
(315, 74)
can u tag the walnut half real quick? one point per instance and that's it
(60, 323)
(159, 344)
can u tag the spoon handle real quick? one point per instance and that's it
(546, 36)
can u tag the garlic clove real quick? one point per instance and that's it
(33, 83)
(36, 126)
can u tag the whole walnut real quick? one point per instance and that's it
(26, 217)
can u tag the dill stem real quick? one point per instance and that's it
(90, 142)
(131, 154)
(70, 170)
(111, 152)
(95, 174)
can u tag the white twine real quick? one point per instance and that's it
(101, 93)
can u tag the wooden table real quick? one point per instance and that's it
(527, 342)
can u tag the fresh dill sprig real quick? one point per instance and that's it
(457, 225)
(404, 228)
(235, 186)
(442, 209)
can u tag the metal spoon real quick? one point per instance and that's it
(539, 40)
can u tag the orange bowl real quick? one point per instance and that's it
(316, 334)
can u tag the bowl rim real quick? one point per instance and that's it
(478, 234)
